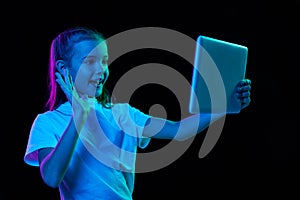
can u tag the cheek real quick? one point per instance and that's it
(106, 75)
(82, 79)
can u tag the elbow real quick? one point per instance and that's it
(50, 179)
(181, 138)
(51, 185)
(51, 182)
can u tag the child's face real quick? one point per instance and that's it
(89, 67)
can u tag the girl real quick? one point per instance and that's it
(85, 144)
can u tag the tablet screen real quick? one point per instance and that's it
(218, 68)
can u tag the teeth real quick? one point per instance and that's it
(98, 82)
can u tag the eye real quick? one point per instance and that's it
(105, 62)
(89, 61)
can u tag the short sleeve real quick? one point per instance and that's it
(140, 119)
(132, 121)
(42, 134)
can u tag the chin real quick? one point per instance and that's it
(98, 93)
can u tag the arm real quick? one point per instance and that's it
(180, 130)
(188, 127)
(54, 162)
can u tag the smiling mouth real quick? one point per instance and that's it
(98, 83)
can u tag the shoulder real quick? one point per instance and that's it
(124, 108)
(61, 114)
(44, 116)
(44, 119)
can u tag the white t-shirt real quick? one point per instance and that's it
(103, 164)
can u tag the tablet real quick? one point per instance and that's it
(218, 67)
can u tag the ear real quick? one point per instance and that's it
(60, 66)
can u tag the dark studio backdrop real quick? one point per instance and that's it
(257, 152)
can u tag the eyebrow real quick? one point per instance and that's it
(91, 56)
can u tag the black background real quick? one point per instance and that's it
(257, 153)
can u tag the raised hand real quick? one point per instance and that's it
(79, 102)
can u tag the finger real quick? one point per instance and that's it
(82, 100)
(75, 94)
(64, 88)
(244, 88)
(78, 97)
(68, 79)
(241, 95)
(245, 82)
(60, 81)
(245, 102)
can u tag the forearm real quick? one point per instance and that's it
(54, 166)
(194, 124)
(180, 130)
